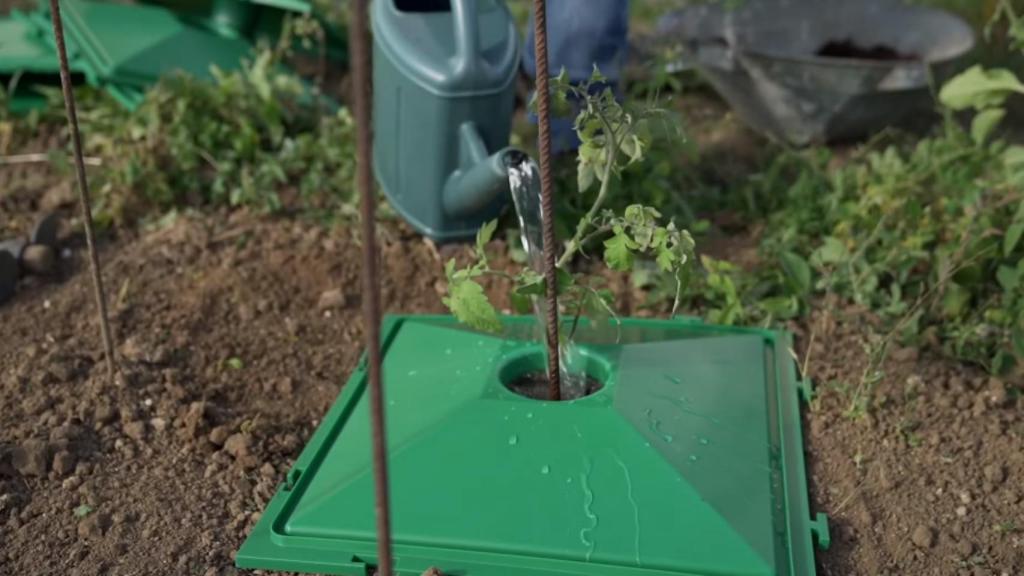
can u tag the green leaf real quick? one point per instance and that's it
(797, 271)
(82, 511)
(985, 122)
(666, 259)
(470, 306)
(585, 175)
(1008, 278)
(955, 300)
(521, 304)
(235, 363)
(979, 88)
(1012, 237)
(617, 253)
(832, 251)
(1018, 340)
(781, 307)
(1013, 158)
(485, 233)
(564, 279)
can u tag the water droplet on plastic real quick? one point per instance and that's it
(412, 372)
(693, 458)
(545, 469)
(458, 372)
(704, 441)
(448, 351)
(391, 402)
(568, 480)
(513, 440)
(673, 379)
(529, 414)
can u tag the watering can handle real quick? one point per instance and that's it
(467, 38)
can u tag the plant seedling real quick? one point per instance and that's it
(612, 137)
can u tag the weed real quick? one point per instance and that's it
(252, 137)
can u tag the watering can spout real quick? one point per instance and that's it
(481, 178)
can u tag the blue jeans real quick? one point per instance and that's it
(581, 34)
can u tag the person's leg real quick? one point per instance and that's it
(581, 34)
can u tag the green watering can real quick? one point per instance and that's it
(443, 78)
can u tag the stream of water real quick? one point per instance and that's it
(524, 182)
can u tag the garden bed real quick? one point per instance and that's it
(237, 331)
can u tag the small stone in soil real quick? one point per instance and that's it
(923, 537)
(285, 386)
(93, 525)
(965, 548)
(30, 459)
(331, 299)
(995, 473)
(64, 463)
(219, 435)
(38, 259)
(238, 445)
(135, 430)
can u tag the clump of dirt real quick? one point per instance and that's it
(852, 50)
(536, 385)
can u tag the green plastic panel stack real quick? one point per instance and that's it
(687, 462)
(125, 48)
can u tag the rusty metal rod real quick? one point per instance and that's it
(540, 36)
(359, 46)
(83, 188)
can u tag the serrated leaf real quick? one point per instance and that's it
(985, 122)
(82, 511)
(797, 271)
(485, 233)
(617, 253)
(979, 88)
(469, 304)
(1012, 237)
(666, 259)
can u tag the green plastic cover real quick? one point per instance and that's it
(130, 44)
(21, 51)
(687, 462)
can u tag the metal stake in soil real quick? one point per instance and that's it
(83, 187)
(359, 47)
(540, 36)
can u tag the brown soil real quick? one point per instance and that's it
(235, 333)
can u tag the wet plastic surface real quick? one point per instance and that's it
(688, 461)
